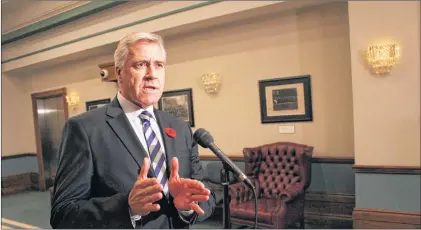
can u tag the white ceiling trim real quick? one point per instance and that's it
(44, 15)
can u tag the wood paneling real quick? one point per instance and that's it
(329, 210)
(375, 218)
(387, 169)
(18, 183)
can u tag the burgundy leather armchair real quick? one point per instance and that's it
(281, 172)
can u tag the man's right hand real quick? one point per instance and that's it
(144, 192)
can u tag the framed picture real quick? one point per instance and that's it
(286, 99)
(90, 105)
(178, 103)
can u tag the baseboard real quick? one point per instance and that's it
(329, 210)
(19, 183)
(376, 218)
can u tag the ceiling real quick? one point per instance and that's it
(17, 14)
(173, 33)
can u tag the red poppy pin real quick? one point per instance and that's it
(170, 132)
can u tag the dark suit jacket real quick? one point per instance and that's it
(99, 160)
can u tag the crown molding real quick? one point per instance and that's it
(59, 17)
(162, 15)
(45, 15)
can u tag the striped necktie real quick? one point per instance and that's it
(156, 152)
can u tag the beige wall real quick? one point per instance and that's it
(308, 41)
(91, 90)
(17, 127)
(386, 109)
(84, 80)
(312, 42)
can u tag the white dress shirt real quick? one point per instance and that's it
(133, 112)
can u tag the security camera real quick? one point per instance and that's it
(104, 73)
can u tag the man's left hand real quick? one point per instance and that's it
(186, 192)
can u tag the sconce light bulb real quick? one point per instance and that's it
(382, 58)
(72, 99)
(211, 82)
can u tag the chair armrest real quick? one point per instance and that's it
(239, 192)
(292, 192)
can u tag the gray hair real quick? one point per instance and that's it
(123, 48)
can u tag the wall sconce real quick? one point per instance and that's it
(382, 58)
(212, 82)
(72, 99)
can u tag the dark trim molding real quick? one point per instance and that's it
(333, 160)
(329, 160)
(387, 169)
(214, 157)
(18, 156)
(364, 218)
(57, 20)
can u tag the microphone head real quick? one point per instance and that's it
(203, 137)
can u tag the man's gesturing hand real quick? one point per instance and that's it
(186, 191)
(144, 192)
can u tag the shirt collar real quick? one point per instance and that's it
(132, 110)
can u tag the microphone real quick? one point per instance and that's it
(205, 139)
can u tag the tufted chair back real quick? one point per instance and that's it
(278, 166)
(281, 172)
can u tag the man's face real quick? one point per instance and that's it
(143, 77)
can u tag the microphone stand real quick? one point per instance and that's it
(225, 182)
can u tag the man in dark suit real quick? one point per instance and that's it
(126, 164)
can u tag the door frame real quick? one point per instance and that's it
(34, 97)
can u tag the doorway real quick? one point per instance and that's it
(50, 114)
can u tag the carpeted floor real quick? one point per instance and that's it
(32, 210)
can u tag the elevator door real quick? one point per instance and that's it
(51, 119)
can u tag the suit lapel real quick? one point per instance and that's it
(169, 142)
(123, 129)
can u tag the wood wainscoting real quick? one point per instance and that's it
(385, 219)
(15, 183)
(329, 210)
(19, 183)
